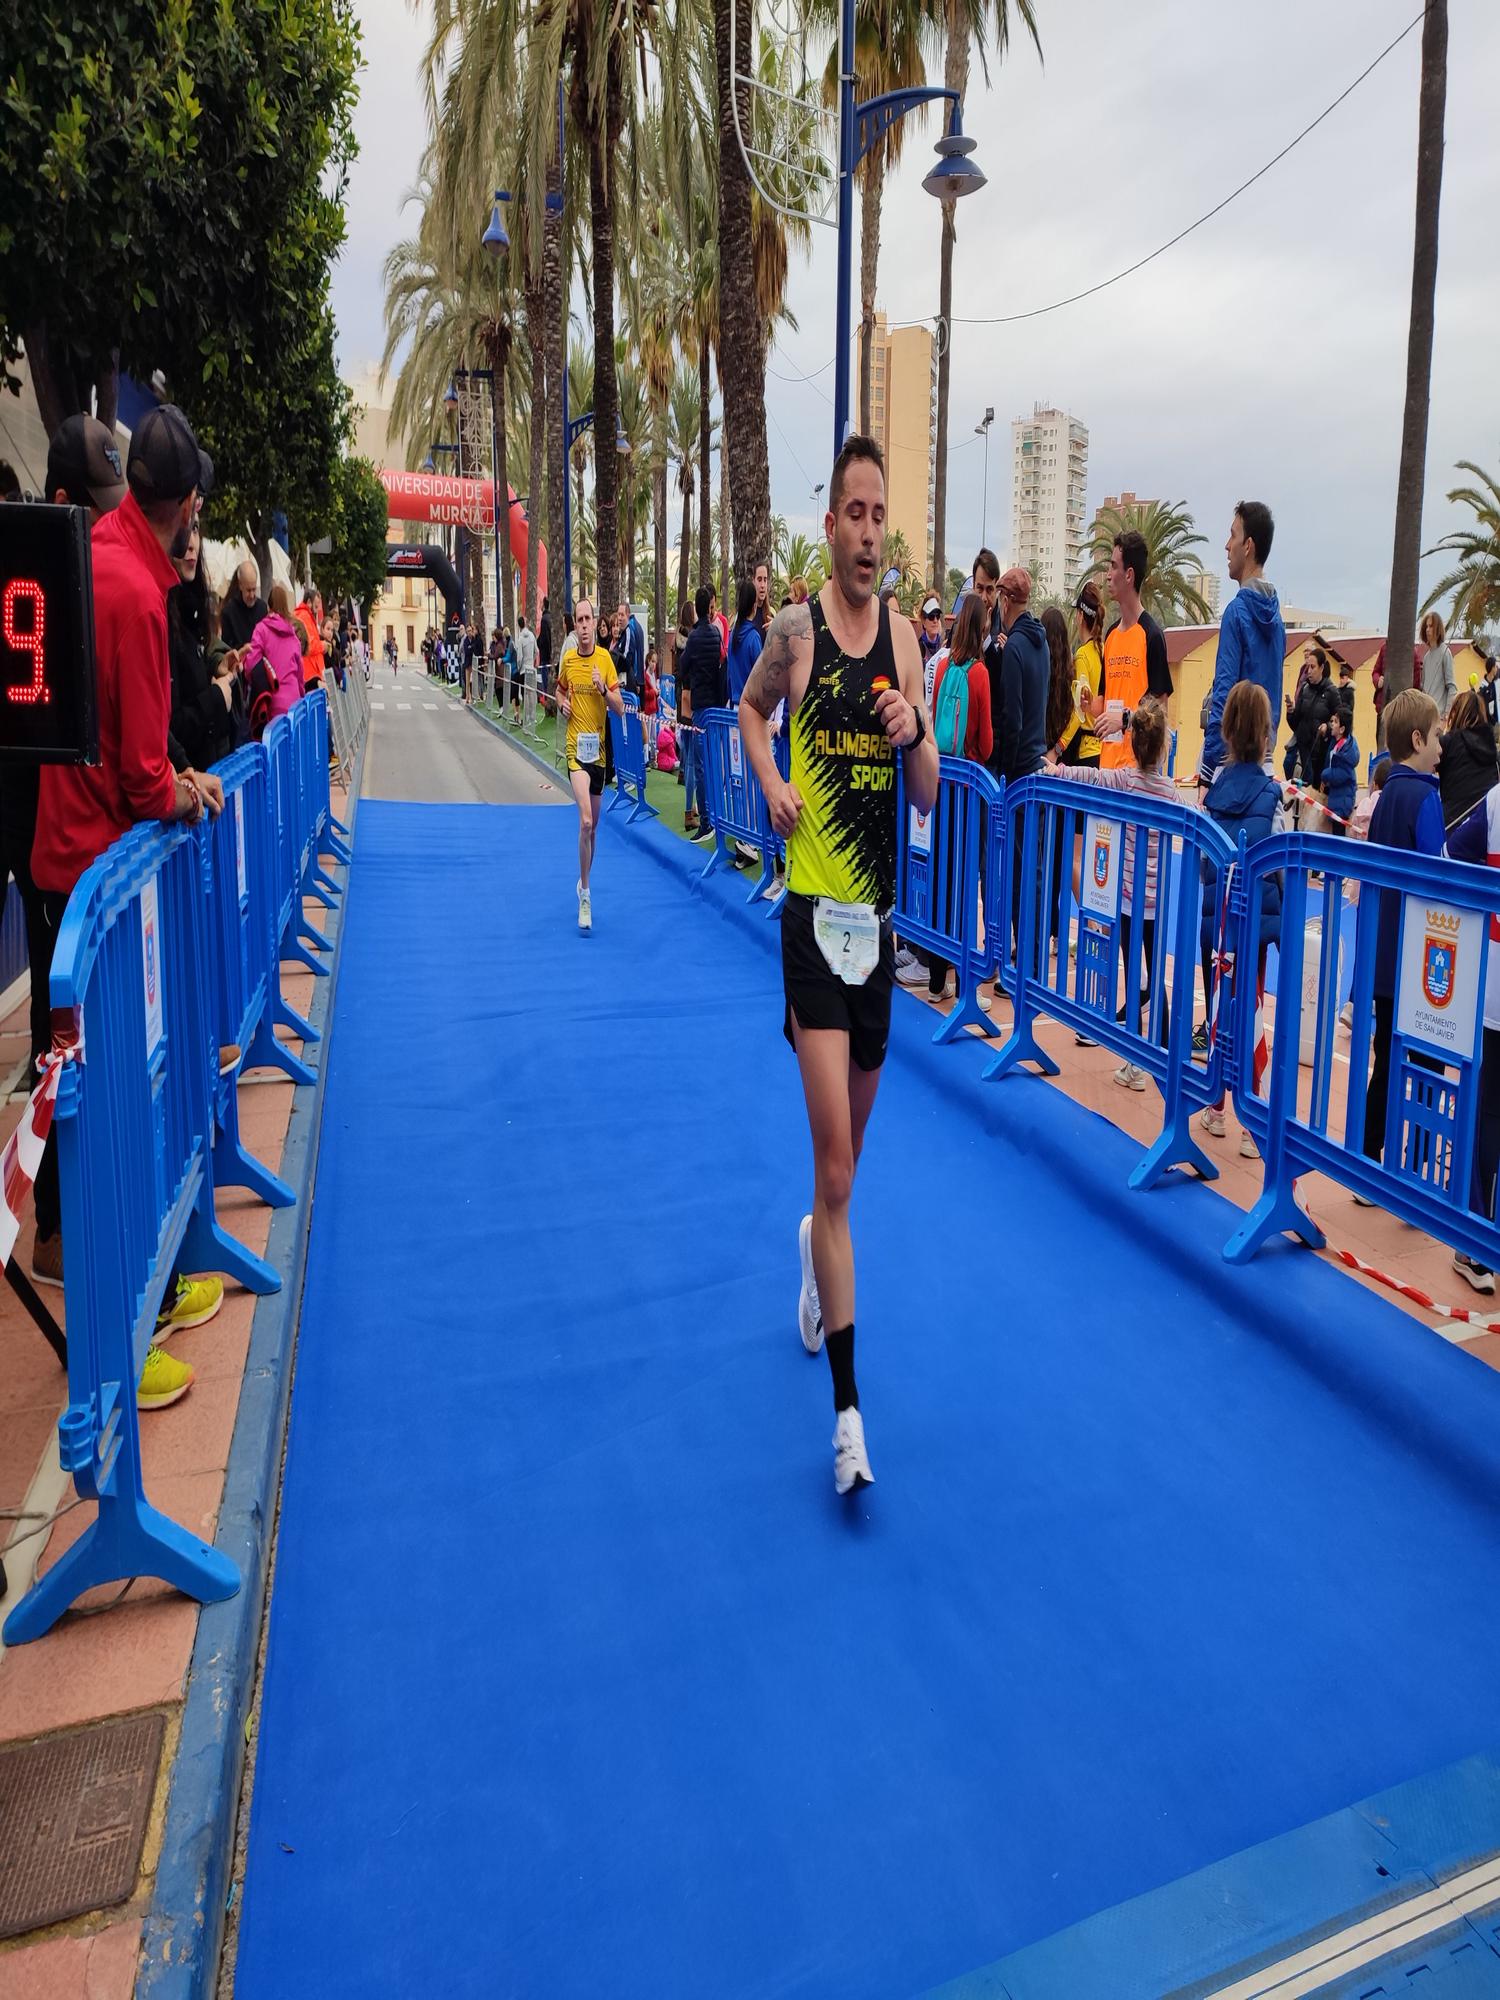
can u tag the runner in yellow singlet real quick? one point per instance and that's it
(587, 688)
(851, 676)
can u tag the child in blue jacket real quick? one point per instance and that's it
(1341, 772)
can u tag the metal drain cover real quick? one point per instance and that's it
(73, 1812)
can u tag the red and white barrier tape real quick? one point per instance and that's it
(1415, 1294)
(22, 1156)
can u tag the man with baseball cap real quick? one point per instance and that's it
(84, 467)
(82, 810)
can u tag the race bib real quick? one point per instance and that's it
(848, 936)
(587, 750)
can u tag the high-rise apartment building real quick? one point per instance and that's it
(1206, 583)
(1049, 481)
(903, 421)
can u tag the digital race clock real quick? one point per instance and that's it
(48, 675)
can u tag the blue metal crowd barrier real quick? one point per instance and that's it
(134, 1131)
(242, 906)
(628, 739)
(1444, 911)
(1068, 962)
(296, 938)
(942, 858)
(737, 805)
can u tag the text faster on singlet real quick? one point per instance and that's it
(844, 769)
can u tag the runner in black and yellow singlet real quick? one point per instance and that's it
(851, 677)
(844, 842)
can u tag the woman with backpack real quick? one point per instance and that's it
(962, 726)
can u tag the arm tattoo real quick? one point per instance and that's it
(771, 675)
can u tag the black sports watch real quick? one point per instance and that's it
(921, 730)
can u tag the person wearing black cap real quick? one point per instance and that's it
(84, 809)
(84, 468)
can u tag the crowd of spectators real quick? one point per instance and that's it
(183, 680)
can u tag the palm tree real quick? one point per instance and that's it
(580, 400)
(451, 307)
(683, 445)
(968, 22)
(1405, 556)
(1474, 584)
(741, 343)
(803, 558)
(1170, 537)
(635, 468)
(911, 573)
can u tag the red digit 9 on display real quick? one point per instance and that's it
(33, 639)
(48, 672)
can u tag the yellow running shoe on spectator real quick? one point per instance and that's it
(195, 1303)
(164, 1380)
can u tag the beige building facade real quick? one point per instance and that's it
(903, 420)
(1049, 482)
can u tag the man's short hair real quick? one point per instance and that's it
(10, 486)
(857, 447)
(702, 600)
(1410, 714)
(1134, 555)
(1255, 519)
(989, 562)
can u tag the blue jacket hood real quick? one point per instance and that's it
(1260, 601)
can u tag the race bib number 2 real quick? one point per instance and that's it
(848, 935)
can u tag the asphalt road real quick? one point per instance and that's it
(424, 745)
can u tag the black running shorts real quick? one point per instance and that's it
(820, 999)
(595, 774)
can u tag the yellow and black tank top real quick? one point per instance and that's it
(844, 769)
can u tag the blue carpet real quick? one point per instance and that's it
(580, 1678)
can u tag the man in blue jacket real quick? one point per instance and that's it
(1252, 638)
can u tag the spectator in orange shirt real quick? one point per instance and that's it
(310, 618)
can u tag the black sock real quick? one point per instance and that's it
(840, 1347)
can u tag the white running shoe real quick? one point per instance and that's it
(911, 974)
(1212, 1121)
(1247, 1147)
(1130, 1077)
(809, 1311)
(851, 1464)
(585, 910)
(904, 956)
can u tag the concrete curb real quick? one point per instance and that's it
(183, 1932)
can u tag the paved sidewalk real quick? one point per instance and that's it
(134, 1657)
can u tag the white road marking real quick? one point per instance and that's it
(403, 704)
(378, 704)
(429, 704)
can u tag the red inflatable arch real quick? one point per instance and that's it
(448, 502)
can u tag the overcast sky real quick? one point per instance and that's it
(1264, 357)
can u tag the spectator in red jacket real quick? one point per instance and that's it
(83, 810)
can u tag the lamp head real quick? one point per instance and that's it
(494, 238)
(450, 397)
(955, 173)
(429, 464)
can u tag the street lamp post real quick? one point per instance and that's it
(862, 126)
(982, 429)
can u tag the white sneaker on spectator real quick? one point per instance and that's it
(809, 1312)
(1130, 1077)
(1083, 1041)
(1212, 1121)
(1247, 1147)
(851, 1463)
(911, 974)
(986, 1001)
(1365, 1201)
(904, 956)
(1480, 1276)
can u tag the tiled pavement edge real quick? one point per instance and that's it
(159, 1650)
(181, 1939)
